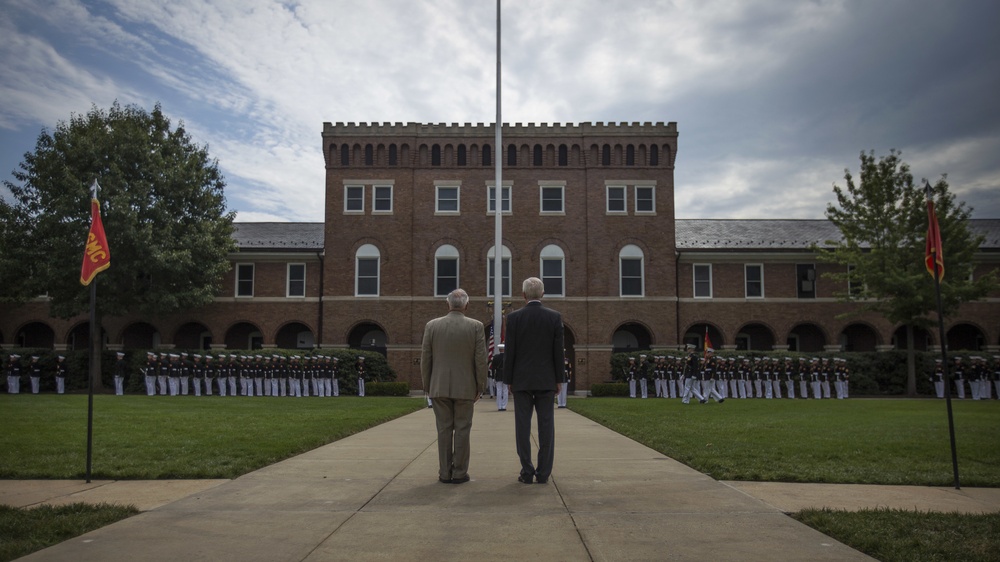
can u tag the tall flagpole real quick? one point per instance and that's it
(95, 364)
(934, 240)
(498, 208)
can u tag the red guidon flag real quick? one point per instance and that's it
(96, 255)
(934, 256)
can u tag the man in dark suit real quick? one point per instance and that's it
(533, 368)
(453, 369)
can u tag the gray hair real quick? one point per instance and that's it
(533, 288)
(458, 299)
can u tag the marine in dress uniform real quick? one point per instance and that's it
(789, 375)
(149, 373)
(359, 366)
(691, 376)
(564, 389)
(208, 374)
(502, 390)
(174, 374)
(643, 372)
(335, 375)
(35, 374)
(630, 376)
(802, 370)
(121, 371)
(814, 379)
(13, 374)
(185, 374)
(776, 371)
(163, 373)
(938, 378)
(60, 374)
(959, 376)
(197, 373)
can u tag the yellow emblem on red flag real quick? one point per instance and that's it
(96, 254)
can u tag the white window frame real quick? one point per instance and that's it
(635, 198)
(375, 189)
(553, 253)
(631, 252)
(347, 200)
(746, 280)
(447, 252)
(504, 259)
(438, 186)
(288, 280)
(506, 194)
(253, 272)
(544, 185)
(367, 252)
(694, 281)
(624, 199)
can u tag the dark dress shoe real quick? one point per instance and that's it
(524, 479)
(543, 480)
(444, 480)
(461, 480)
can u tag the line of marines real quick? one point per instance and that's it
(247, 375)
(706, 376)
(177, 374)
(982, 376)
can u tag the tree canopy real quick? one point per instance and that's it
(162, 206)
(883, 223)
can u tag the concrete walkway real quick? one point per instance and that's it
(375, 496)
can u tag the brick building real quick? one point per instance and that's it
(589, 208)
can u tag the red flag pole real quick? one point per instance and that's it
(934, 260)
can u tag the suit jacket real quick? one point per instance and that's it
(534, 356)
(453, 357)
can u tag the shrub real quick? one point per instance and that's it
(609, 389)
(387, 389)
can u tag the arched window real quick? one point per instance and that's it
(537, 155)
(366, 273)
(445, 270)
(630, 271)
(654, 155)
(436, 155)
(487, 159)
(369, 155)
(461, 155)
(345, 155)
(393, 155)
(630, 155)
(511, 155)
(606, 155)
(553, 270)
(563, 155)
(491, 270)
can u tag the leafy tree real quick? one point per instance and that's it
(883, 221)
(162, 206)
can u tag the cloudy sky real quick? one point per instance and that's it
(774, 99)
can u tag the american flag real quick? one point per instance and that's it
(489, 347)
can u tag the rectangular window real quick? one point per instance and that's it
(367, 281)
(551, 199)
(296, 286)
(382, 199)
(446, 276)
(754, 277)
(492, 199)
(631, 277)
(505, 281)
(244, 280)
(616, 199)
(447, 199)
(703, 280)
(354, 198)
(645, 199)
(806, 276)
(552, 276)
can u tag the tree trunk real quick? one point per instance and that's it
(911, 363)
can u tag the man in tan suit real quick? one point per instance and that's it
(453, 368)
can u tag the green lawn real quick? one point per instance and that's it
(161, 437)
(860, 441)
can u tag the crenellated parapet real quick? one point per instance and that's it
(611, 129)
